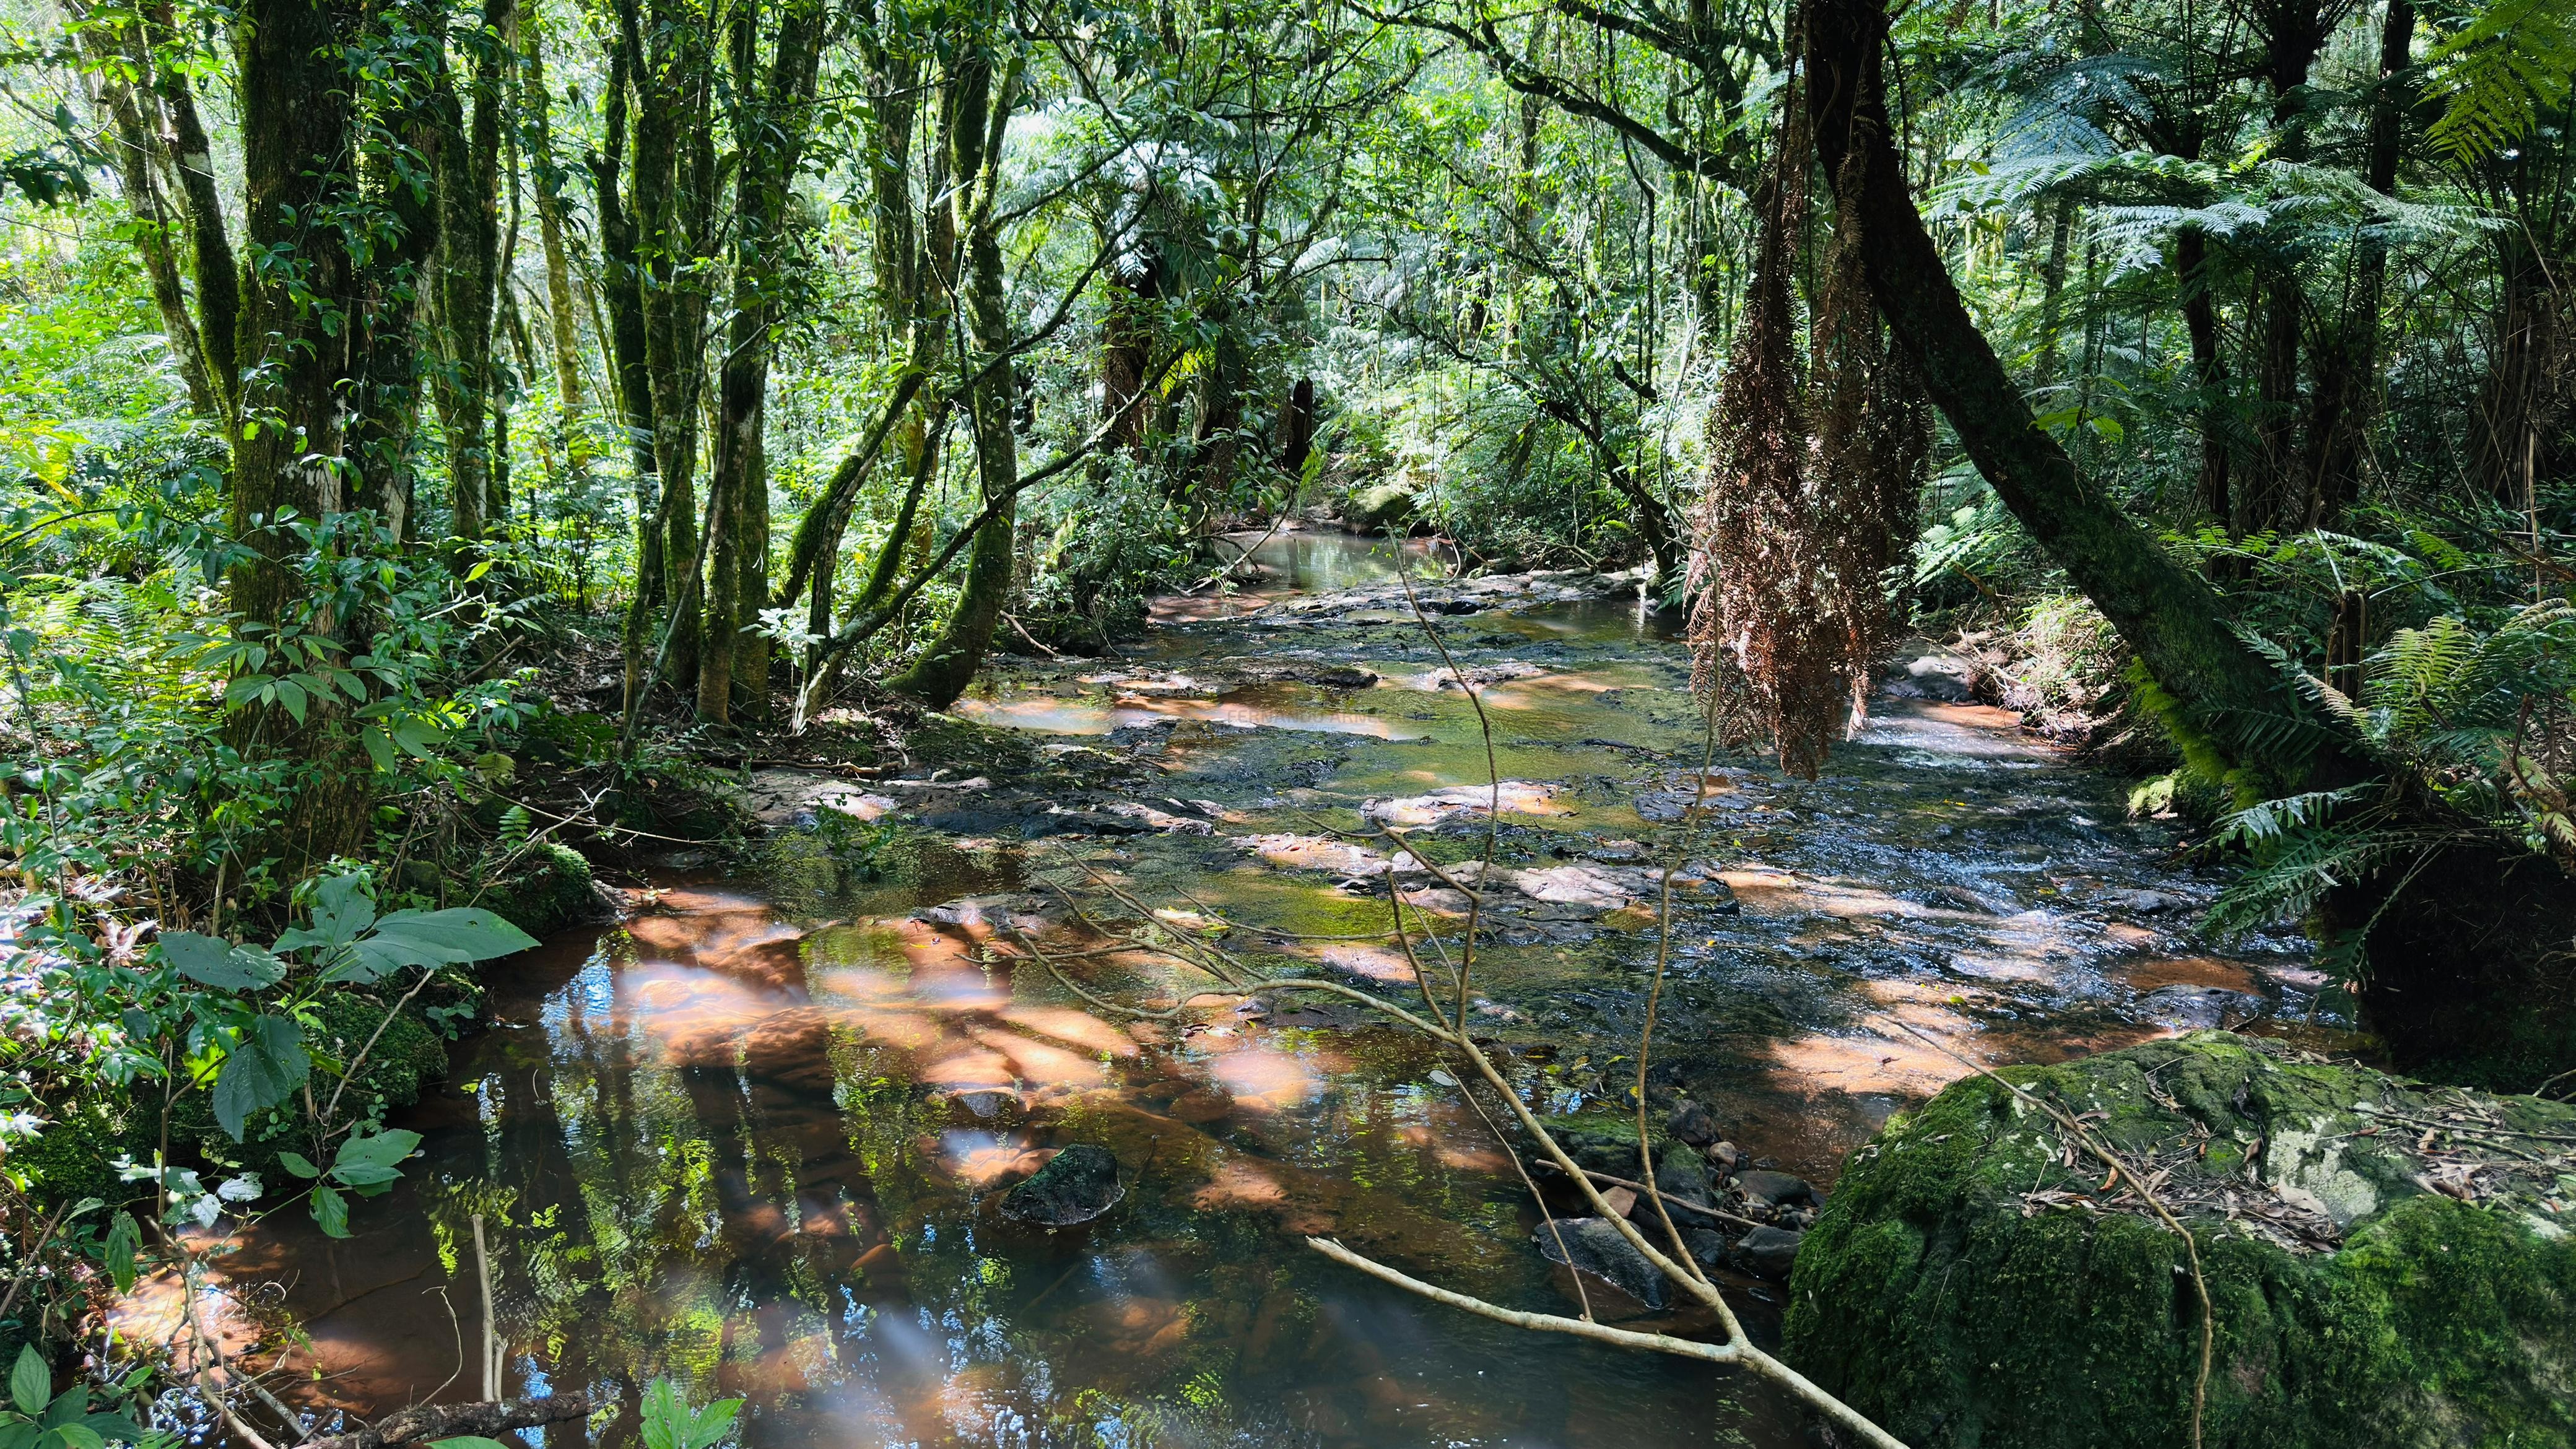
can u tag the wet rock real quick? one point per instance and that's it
(1594, 1246)
(1692, 1123)
(1943, 677)
(1020, 912)
(1708, 1249)
(1077, 1184)
(1378, 506)
(1768, 1253)
(1959, 898)
(2140, 903)
(1344, 676)
(1682, 1178)
(1724, 1158)
(2199, 1008)
(1773, 1189)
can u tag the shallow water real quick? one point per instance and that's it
(757, 1135)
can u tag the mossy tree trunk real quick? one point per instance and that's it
(976, 111)
(2172, 620)
(770, 129)
(468, 266)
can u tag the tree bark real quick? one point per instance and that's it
(976, 117)
(2192, 277)
(773, 129)
(298, 139)
(468, 269)
(622, 279)
(2172, 621)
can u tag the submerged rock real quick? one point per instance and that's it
(1594, 1246)
(2390, 1263)
(1078, 1184)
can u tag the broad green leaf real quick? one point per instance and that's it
(299, 1164)
(262, 1070)
(365, 1162)
(76, 1436)
(439, 938)
(31, 1384)
(66, 1408)
(713, 1422)
(115, 1428)
(380, 747)
(212, 961)
(470, 1441)
(331, 1211)
(342, 909)
(124, 1245)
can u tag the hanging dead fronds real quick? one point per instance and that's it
(1810, 501)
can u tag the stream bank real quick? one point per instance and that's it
(760, 1134)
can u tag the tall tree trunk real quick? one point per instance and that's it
(2169, 618)
(975, 120)
(298, 138)
(468, 270)
(201, 213)
(563, 318)
(2278, 496)
(2052, 296)
(735, 657)
(134, 147)
(622, 278)
(2523, 396)
(2347, 361)
(2194, 280)
(672, 207)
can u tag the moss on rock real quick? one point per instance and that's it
(1970, 1285)
(550, 888)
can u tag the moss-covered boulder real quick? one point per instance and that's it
(547, 889)
(2390, 1263)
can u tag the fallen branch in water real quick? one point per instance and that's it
(447, 1421)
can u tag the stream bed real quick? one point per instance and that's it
(756, 1135)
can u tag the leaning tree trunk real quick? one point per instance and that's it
(976, 117)
(2170, 619)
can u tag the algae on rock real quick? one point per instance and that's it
(2390, 1263)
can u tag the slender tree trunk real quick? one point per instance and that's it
(201, 214)
(468, 268)
(2192, 277)
(622, 279)
(133, 148)
(976, 116)
(735, 660)
(2052, 282)
(563, 319)
(2279, 493)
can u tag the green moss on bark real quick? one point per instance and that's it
(1948, 1294)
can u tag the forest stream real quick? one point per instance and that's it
(760, 1129)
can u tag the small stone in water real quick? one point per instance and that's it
(1595, 1246)
(1443, 1078)
(1691, 1123)
(1077, 1184)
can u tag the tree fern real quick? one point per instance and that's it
(2514, 60)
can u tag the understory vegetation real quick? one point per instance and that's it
(441, 439)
